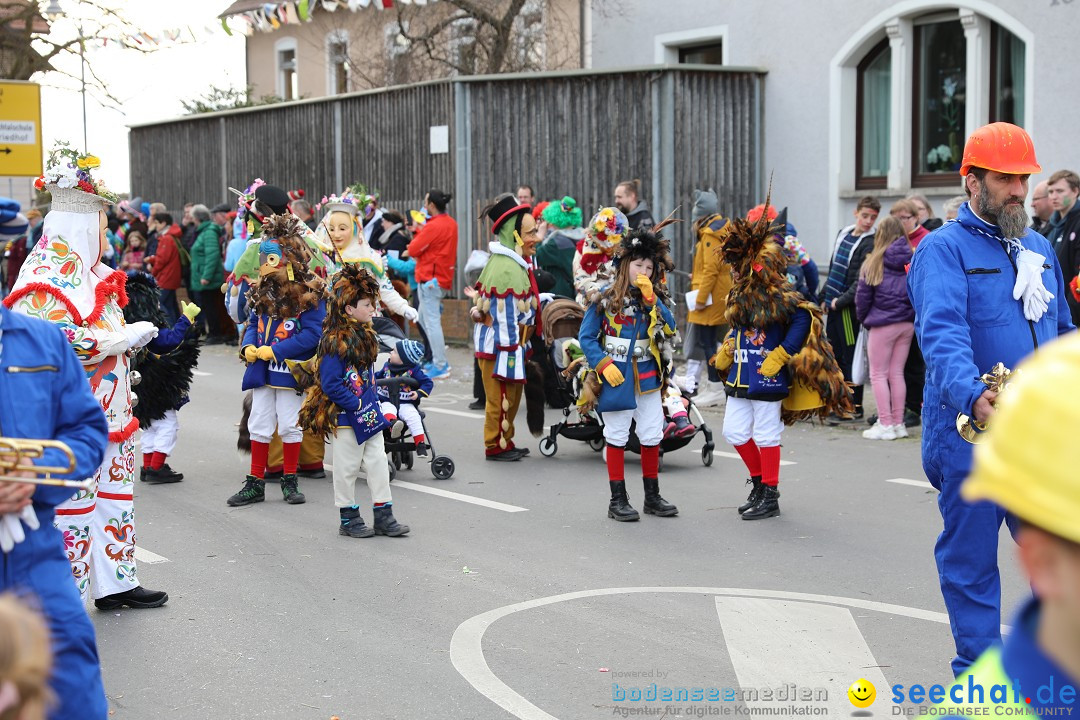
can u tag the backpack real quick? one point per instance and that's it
(185, 262)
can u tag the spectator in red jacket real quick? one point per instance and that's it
(165, 262)
(435, 251)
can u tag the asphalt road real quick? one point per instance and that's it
(272, 614)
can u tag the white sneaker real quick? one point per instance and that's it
(900, 431)
(712, 394)
(879, 432)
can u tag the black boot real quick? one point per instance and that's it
(254, 491)
(352, 524)
(755, 493)
(290, 490)
(385, 524)
(767, 506)
(654, 504)
(619, 508)
(164, 474)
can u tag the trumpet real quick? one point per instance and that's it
(997, 380)
(17, 457)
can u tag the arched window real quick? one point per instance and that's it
(873, 108)
(288, 78)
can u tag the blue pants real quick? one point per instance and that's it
(169, 306)
(431, 296)
(967, 548)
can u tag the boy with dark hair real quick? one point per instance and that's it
(852, 245)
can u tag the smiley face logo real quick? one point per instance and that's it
(862, 693)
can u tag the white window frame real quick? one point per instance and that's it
(283, 44)
(897, 23)
(667, 45)
(339, 36)
(393, 49)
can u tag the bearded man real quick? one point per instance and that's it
(986, 289)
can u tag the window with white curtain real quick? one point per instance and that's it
(874, 109)
(940, 101)
(1007, 68)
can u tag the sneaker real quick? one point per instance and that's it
(254, 491)
(912, 419)
(138, 597)
(312, 473)
(421, 449)
(900, 431)
(164, 474)
(478, 404)
(397, 429)
(880, 432)
(437, 371)
(683, 426)
(290, 490)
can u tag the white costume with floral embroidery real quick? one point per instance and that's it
(62, 282)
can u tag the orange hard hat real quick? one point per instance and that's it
(1001, 147)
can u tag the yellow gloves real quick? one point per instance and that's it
(248, 353)
(265, 353)
(775, 361)
(645, 286)
(725, 356)
(613, 375)
(190, 310)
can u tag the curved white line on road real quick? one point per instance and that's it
(467, 653)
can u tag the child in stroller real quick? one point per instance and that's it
(404, 362)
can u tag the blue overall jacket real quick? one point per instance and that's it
(640, 364)
(44, 395)
(389, 371)
(752, 346)
(291, 338)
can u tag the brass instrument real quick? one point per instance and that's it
(997, 380)
(17, 456)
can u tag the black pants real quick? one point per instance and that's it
(208, 301)
(842, 330)
(707, 337)
(915, 377)
(478, 381)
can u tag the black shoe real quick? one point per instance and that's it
(654, 504)
(352, 525)
(290, 490)
(137, 597)
(385, 524)
(871, 420)
(523, 451)
(142, 473)
(912, 419)
(768, 505)
(421, 449)
(164, 474)
(478, 404)
(506, 456)
(755, 493)
(313, 474)
(213, 340)
(619, 507)
(254, 491)
(273, 477)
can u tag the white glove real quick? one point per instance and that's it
(1029, 285)
(11, 530)
(411, 314)
(140, 333)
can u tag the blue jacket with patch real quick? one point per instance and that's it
(40, 373)
(391, 371)
(640, 365)
(752, 346)
(291, 338)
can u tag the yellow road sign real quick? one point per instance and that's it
(20, 129)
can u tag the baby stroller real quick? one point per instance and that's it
(562, 321)
(402, 450)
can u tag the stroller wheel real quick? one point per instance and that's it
(548, 447)
(706, 456)
(393, 472)
(660, 463)
(442, 467)
(396, 458)
(407, 458)
(597, 444)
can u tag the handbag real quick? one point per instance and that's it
(860, 365)
(367, 420)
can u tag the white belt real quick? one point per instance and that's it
(619, 349)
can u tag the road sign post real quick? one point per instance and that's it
(20, 129)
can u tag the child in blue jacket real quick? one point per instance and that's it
(404, 361)
(621, 336)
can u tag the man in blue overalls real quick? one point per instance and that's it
(986, 289)
(40, 373)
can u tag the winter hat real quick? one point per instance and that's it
(12, 222)
(563, 214)
(705, 204)
(411, 352)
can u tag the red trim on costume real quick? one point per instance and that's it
(603, 364)
(508, 293)
(647, 375)
(76, 511)
(485, 356)
(496, 226)
(116, 282)
(114, 496)
(128, 431)
(591, 262)
(507, 348)
(25, 290)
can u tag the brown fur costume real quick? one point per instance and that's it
(291, 288)
(356, 342)
(761, 296)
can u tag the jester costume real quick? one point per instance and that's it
(64, 281)
(623, 336)
(507, 302)
(779, 366)
(342, 404)
(285, 323)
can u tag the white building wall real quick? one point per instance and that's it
(809, 100)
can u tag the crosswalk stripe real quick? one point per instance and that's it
(150, 558)
(458, 496)
(735, 456)
(913, 483)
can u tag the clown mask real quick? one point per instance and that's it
(528, 236)
(341, 228)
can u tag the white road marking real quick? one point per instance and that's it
(913, 483)
(458, 413)
(200, 373)
(775, 642)
(149, 558)
(467, 653)
(458, 496)
(736, 456)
